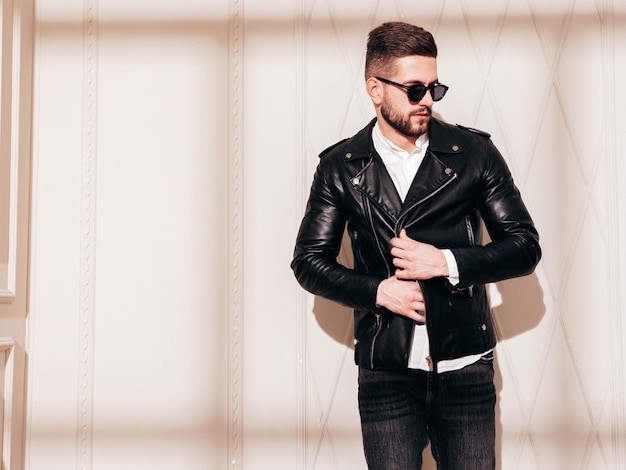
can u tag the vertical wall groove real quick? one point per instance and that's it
(301, 315)
(87, 255)
(235, 422)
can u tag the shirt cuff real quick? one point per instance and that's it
(453, 269)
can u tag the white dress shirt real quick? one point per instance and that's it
(402, 166)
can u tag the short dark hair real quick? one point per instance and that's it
(393, 40)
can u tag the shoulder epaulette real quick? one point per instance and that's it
(325, 151)
(475, 131)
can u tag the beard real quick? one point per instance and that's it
(403, 124)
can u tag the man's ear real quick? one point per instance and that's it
(374, 90)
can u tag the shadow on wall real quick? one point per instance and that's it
(334, 319)
(517, 306)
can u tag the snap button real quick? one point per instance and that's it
(448, 171)
(484, 327)
(348, 155)
(355, 181)
(455, 148)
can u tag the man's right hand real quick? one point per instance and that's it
(402, 297)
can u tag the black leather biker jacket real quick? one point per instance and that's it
(462, 180)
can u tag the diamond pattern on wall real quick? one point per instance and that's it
(531, 73)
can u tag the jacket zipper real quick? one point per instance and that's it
(380, 250)
(379, 327)
(370, 219)
(378, 245)
(367, 196)
(470, 230)
(379, 317)
(397, 227)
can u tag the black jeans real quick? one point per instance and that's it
(402, 411)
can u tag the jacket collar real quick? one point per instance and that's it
(442, 140)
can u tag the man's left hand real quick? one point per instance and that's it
(416, 260)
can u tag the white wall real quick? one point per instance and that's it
(174, 143)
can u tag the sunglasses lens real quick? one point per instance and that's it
(438, 91)
(416, 92)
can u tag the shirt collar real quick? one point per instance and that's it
(385, 147)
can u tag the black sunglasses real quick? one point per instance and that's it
(416, 92)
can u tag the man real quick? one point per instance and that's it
(413, 191)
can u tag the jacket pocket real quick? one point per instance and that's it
(357, 253)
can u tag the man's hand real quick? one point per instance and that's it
(402, 297)
(416, 260)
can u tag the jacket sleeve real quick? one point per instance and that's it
(514, 248)
(319, 241)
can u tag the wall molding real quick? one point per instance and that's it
(235, 323)
(618, 377)
(7, 372)
(88, 239)
(10, 148)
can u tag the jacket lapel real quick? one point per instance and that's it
(370, 176)
(372, 179)
(431, 176)
(376, 183)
